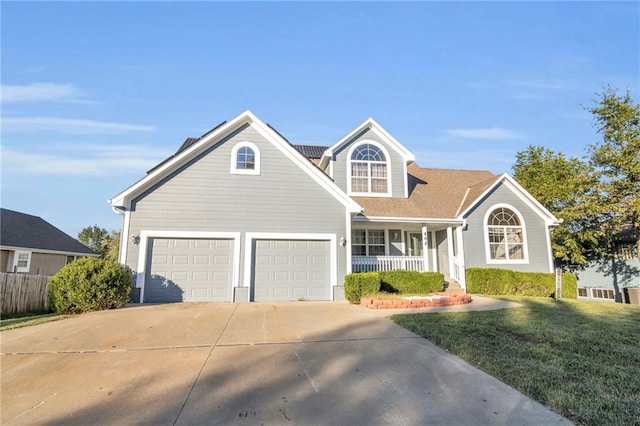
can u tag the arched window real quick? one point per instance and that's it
(245, 159)
(369, 170)
(505, 235)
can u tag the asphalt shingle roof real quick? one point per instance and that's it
(433, 193)
(27, 231)
(311, 151)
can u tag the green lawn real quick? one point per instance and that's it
(27, 320)
(581, 359)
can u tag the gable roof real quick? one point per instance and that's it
(445, 194)
(433, 193)
(191, 149)
(371, 124)
(20, 230)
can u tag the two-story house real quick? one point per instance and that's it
(240, 214)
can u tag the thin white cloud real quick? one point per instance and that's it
(484, 133)
(68, 125)
(42, 92)
(83, 160)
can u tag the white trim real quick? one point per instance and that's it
(425, 247)
(393, 219)
(405, 174)
(521, 193)
(145, 235)
(16, 258)
(250, 237)
(434, 252)
(247, 117)
(124, 237)
(387, 162)
(450, 250)
(234, 170)
(550, 250)
(347, 246)
(376, 128)
(487, 246)
(45, 251)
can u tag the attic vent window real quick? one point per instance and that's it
(245, 159)
(369, 170)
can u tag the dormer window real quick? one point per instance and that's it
(369, 171)
(245, 159)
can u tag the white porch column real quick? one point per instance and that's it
(450, 249)
(434, 248)
(460, 257)
(425, 247)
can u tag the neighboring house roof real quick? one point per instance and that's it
(24, 231)
(433, 193)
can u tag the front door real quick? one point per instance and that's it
(415, 244)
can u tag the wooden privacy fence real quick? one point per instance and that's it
(21, 293)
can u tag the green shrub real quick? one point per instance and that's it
(495, 281)
(490, 281)
(89, 284)
(361, 284)
(412, 282)
(569, 286)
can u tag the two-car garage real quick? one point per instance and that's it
(198, 269)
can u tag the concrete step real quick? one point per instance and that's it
(451, 283)
(452, 286)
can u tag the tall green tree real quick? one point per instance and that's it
(596, 198)
(101, 241)
(113, 248)
(565, 187)
(617, 159)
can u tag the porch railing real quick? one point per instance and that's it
(458, 272)
(387, 263)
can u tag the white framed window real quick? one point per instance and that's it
(505, 235)
(369, 171)
(245, 159)
(368, 242)
(22, 261)
(602, 293)
(582, 292)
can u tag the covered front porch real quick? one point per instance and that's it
(422, 246)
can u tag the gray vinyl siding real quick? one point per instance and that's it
(340, 165)
(536, 234)
(610, 273)
(204, 196)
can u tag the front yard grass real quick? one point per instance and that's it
(579, 358)
(27, 320)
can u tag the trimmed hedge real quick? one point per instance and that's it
(362, 284)
(412, 282)
(89, 284)
(495, 281)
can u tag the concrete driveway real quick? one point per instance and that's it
(254, 364)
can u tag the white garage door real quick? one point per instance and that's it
(291, 270)
(189, 270)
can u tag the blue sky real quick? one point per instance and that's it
(94, 94)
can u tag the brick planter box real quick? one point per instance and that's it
(433, 300)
